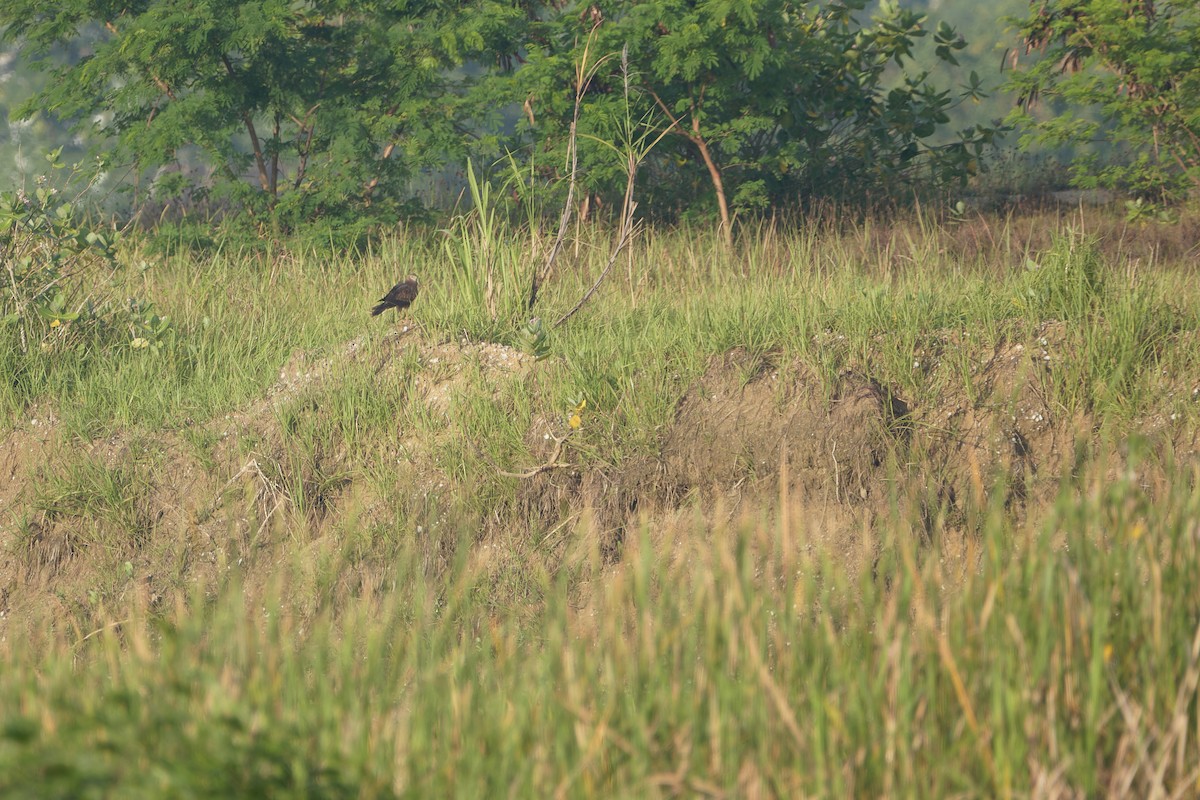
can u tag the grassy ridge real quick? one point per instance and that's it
(857, 298)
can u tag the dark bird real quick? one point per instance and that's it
(400, 297)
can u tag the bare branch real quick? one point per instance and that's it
(551, 463)
(583, 80)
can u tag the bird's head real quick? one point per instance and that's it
(413, 280)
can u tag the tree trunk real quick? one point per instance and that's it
(256, 145)
(275, 157)
(371, 184)
(714, 173)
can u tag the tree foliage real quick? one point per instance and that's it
(326, 109)
(771, 100)
(298, 110)
(1127, 73)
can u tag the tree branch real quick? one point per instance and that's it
(371, 184)
(275, 156)
(308, 127)
(622, 243)
(551, 463)
(696, 138)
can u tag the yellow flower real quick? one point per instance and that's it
(56, 323)
(1108, 653)
(1136, 531)
(576, 418)
(139, 343)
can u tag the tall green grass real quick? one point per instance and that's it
(1060, 658)
(836, 299)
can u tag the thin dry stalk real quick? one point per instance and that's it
(1133, 724)
(635, 151)
(624, 237)
(583, 79)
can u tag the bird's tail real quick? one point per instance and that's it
(379, 309)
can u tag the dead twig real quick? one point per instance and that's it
(626, 236)
(267, 489)
(551, 463)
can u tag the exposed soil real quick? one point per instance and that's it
(750, 430)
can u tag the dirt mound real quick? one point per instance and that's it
(163, 513)
(22, 451)
(752, 429)
(89, 523)
(554, 494)
(747, 415)
(729, 428)
(1005, 432)
(731, 432)
(853, 451)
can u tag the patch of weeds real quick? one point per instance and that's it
(1125, 345)
(310, 465)
(488, 437)
(437, 369)
(65, 310)
(55, 265)
(247, 442)
(356, 408)
(111, 497)
(490, 276)
(1066, 283)
(203, 443)
(27, 529)
(410, 361)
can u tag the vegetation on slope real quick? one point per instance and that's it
(890, 508)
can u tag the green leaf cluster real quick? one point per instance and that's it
(1121, 73)
(293, 112)
(766, 101)
(60, 287)
(328, 112)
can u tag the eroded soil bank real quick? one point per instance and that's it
(151, 517)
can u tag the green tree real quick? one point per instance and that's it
(773, 99)
(1127, 73)
(300, 110)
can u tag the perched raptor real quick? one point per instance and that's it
(400, 297)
